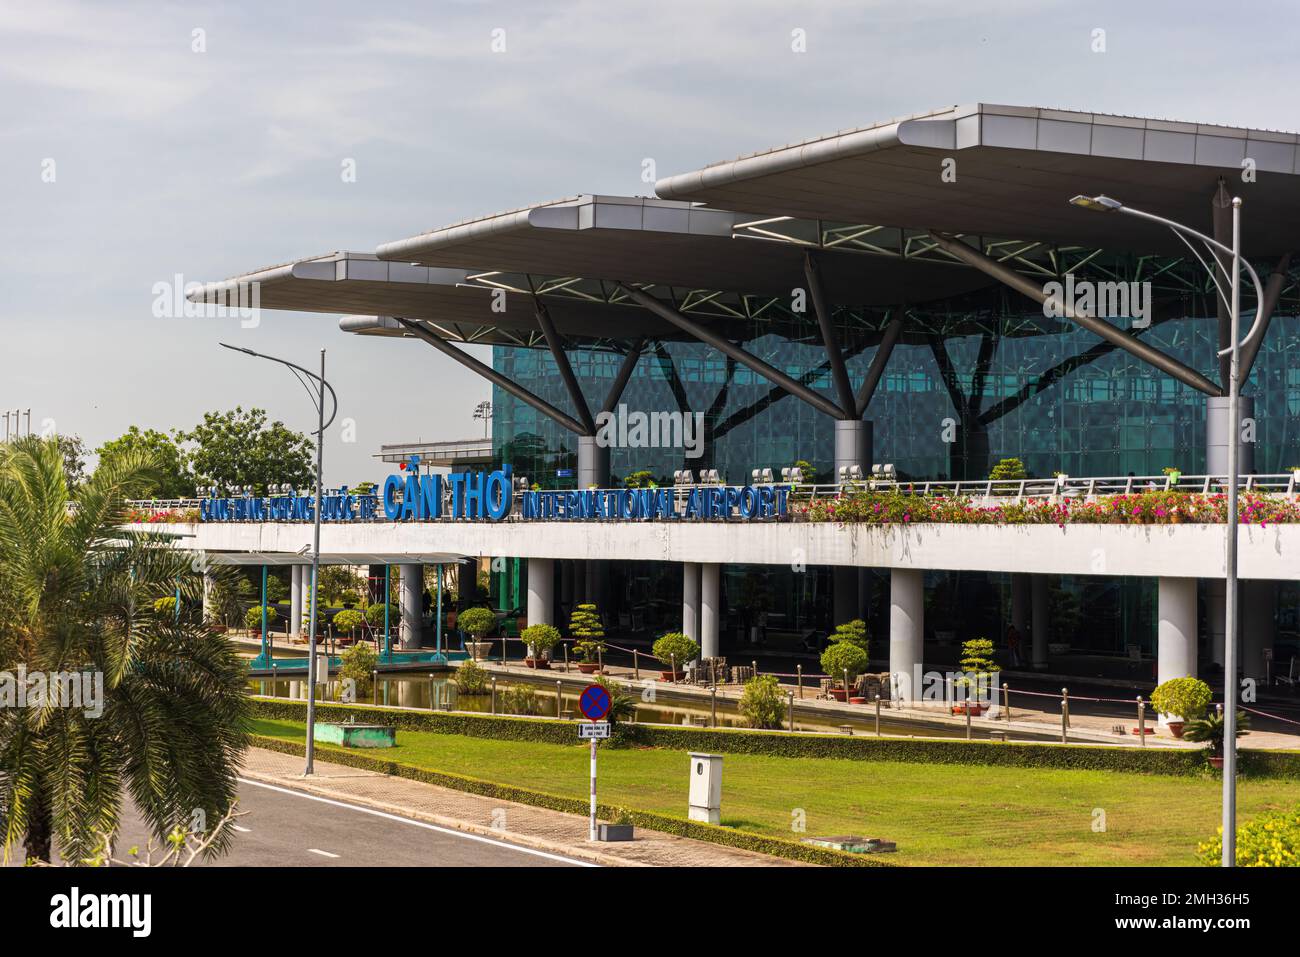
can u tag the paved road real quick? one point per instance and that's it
(286, 828)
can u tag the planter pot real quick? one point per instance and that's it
(541, 664)
(838, 694)
(975, 709)
(478, 650)
(588, 667)
(614, 832)
(1217, 762)
(671, 676)
(1176, 728)
(856, 700)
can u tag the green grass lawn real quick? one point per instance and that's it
(938, 814)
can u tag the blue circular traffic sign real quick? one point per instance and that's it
(594, 702)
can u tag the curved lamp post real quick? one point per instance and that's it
(319, 401)
(1233, 300)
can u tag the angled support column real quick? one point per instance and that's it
(1136, 347)
(566, 370)
(726, 347)
(496, 378)
(624, 375)
(877, 368)
(839, 374)
(1272, 293)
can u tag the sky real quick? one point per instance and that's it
(142, 141)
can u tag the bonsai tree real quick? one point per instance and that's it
(841, 657)
(1009, 470)
(348, 621)
(808, 470)
(854, 632)
(585, 625)
(1182, 698)
(675, 649)
(640, 479)
(762, 704)
(477, 621)
(358, 666)
(1210, 729)
(375, 615)
(253, 618)
(540, 639)
(977, 662)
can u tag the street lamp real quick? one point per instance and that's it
(319, 401)
(1108, 204)
(483, 411)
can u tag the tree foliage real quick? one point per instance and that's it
(239, 448)
(173, 478)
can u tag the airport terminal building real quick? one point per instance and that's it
(915, 300)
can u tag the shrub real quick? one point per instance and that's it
(165, 607)
(540, 639)
(622, 706)
(253, 618)
(477, 621)
(471, 678)
(762, 704)
(1211, 730)
(674, 647)
(586, 626)
(854, 632)
(842, 656)
(375, 615)
(1185, 698)
(641, 479)
(520, 699)
(1009, 470)
(347, 622)
(1270, 840)
(358, 664)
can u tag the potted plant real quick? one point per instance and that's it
(1174, 473)
(478, 622)
(674, 650)
(1210, 729)
(586, 628)
(979, 666)
(843, 661)
(540, 639)
(1181, 700)
(619, 829)
(348, 621)
(253, 617)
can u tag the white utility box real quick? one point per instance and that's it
(706, 788)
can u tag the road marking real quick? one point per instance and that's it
(452, 832)
(314, 850)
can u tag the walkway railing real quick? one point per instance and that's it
(1284, 485)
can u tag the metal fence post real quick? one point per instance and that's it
(1142, 721)
(432, 705)
(798, 670)
(713, 705)
(559, 705)
(877, 716)
(672, 663)
(790, 697)
(1006, 700)
(494, 694)
(1065, 715)
(967, 710)
(636, 665)
(374, 687)
(566, 657)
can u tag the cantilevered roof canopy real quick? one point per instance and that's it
(1015, 170)
(346, 282)
(677, 244)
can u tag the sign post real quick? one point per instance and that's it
(594, 702)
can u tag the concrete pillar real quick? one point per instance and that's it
(296, 593)
(691, 600)
(541, 591)
(1259, 604)
(852, 446)
(209, 613)
(1020, 589)
(1216, 611)
(593, 463)
(906, 630)
(412, 590)
(710, 608)
(1038, 618)
(1217, 433)
(1176, 634)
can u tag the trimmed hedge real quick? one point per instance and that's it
(714, 834)
(1136, 760)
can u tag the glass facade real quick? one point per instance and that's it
(968, 384)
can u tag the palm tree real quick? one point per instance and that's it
(76, 596)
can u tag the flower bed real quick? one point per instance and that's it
(168, 516)
(899, 507)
